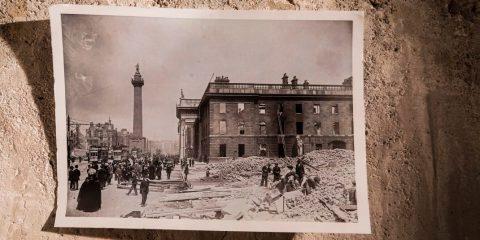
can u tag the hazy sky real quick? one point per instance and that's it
(101, 52)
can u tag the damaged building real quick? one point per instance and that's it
(256, 119)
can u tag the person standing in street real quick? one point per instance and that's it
(70, 177)
(185, 171)
(76, 174)
(90, 195)
(118, 173)
(102, 176)
(109, 170)
(169, 169)
(144, 188)
(134, 185)
(158, 171)
(151, 171)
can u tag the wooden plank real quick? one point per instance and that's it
(179, 181)
(180, 212)
(196, 190)
(194, 197)
(336, 211)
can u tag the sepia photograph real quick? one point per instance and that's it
(210, 120)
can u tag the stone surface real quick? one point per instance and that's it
(422, 77)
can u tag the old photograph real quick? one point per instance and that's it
(210, 120)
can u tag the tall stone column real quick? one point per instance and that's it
(137, 82)
(182, 139)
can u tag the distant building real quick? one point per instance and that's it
(124, 137)
(247, 119)
(101, 134)
(168, 147)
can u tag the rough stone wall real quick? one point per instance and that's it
(422, 115)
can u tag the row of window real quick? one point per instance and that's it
(262, 151)
(263, 128)
(298, 108)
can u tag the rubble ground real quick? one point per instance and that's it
(335, 168)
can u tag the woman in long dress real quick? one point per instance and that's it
(90, 195)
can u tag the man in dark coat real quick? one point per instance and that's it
(109, 169)
(76, 174)
(71, 176)
(134, 185)
(276, 172)
(90, 195)
(290, 179)
(144, 188)
(265, 172)
(158, 171)
(151, 171)
(300, 170)
(102, 176)
(185, 171)
(169, 168)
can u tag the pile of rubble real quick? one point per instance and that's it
(239, 169)
(335, 168)
(337, 162)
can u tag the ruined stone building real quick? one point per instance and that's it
(248, 119)
(101, 135)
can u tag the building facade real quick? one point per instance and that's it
(101, 135)
(187, 114)
(243, 119)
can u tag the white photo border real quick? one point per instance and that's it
(63, 221)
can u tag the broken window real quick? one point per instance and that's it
(336, 128)
(241, 150)
(263, 150)
(241, 128)
(316, 109)
(241, 107)
(263, 128)
(261, 108)
(318, 146)
(281, 150)
(223, 150)
(335, 109)
(318, 128)
(299, 127)
(223, 127)
(223, 107)
(298, 108)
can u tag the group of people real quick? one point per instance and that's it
(90, 195)
(292, 180)
(74, 177)
(296, 174)
(125, 171)
(144, 171)
(129, 170)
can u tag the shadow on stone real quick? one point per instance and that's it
(454, 136)
(31, 43)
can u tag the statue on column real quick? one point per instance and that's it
(298, 148)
